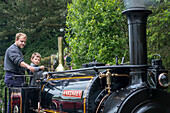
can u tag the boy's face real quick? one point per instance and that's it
(35, 60)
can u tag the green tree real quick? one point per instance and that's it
(96, 29)
(158, 32)
(2, 84)
(40, 20)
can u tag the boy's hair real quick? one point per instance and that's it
(36, 54)
(18, 35)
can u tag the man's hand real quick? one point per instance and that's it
(23, 64)
(32, 69)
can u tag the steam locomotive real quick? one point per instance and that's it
(96, 88)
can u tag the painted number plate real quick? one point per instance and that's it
(73, 93)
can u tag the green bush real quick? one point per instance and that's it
(2, 84)
(96, 29)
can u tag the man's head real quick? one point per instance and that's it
(20, 40)
(35, 58)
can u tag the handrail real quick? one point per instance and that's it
(100, 67)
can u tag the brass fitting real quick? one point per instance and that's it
(60, 55)
(108, 79)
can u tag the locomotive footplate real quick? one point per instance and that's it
(23, 99)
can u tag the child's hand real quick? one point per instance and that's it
(42, 67)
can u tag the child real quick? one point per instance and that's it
(35, 60)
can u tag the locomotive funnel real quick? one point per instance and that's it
(137, 18)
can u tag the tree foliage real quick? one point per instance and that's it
(158, 32)
(39, 19)
(96, 29)
(2, 84)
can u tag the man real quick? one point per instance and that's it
(14, 63)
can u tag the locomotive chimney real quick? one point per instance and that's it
(137, 14)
